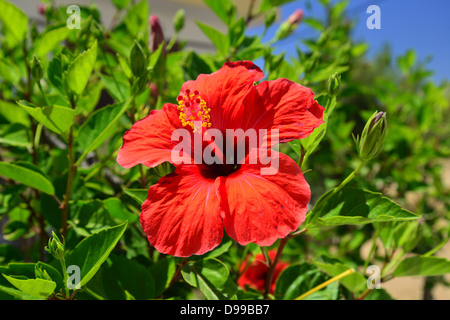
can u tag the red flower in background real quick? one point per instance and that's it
(255, 274)
(186, 211)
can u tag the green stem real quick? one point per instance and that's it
(339, 187)
(372, 249)
(37, 136)
(65, 276)
(350, 176)
(47, 102)
(172, 42)
(70, 176)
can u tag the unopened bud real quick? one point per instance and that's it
(333, 84)
(55, 247)
(41, 273)
(178, 20)
(287, 27)
(296, 17)
(154, 90)
(36, 69)
(137, 59)
(372, 138)
(156, 33)
(41, 8)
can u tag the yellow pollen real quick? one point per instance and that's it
(193, 108)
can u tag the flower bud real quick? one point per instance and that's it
(154, 90)
(55, 247)
(137, 59)
(372, 138)
(178, 20)
(41, 273)
(333, 84)
(156, 33)
(36, 69)
(296, 17)
(42, 7)
(287, 27)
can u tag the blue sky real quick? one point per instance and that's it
(415, 24)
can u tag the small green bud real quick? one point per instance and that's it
(36, 69)
(178, 20)
(55, 247)
(333, 84)
(231, 10)
(372, 138)
(289, 26)
(41, 273)
(137, 59)
(284, 30)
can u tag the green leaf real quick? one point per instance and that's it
(98, 127)
(222, 9)
(407, 61)
(118, 210)
(132, 277)
(236, 32)
(9, 71)
(9, 253)
(55, 118)
(80, 69)
(38, 288)
(224, 247)
(355, 207)
(13, 113)
(422, 266)
(91, 252)
(15, 134)
(298, 279)
(120, 4)
(27, 176)
(13, 230)
(316, 24)
(117, 87)
(311, 142)
(136, 19)
(404, 234)
(269, 4)
(354, 282)
(15, 21)
(163, 271)
(18, 294)
(139, 195)
(217, 38)
(378, 294)
(211, 277)
(155, 56)
(50, 39)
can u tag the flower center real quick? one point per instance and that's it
(193, 109)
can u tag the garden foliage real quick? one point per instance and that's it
(67, 96)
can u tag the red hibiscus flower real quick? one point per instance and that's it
(186, 211)
(255, 274)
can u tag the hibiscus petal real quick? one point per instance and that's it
(284, 105)
(181, 215)
(149, 140)
(263, 208)
(224, 91)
